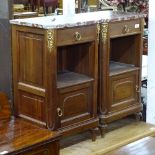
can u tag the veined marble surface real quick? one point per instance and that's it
(61, 21)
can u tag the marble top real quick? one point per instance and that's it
(61, 21)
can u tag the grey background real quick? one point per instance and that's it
(5, 47)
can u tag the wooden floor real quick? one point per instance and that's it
(144, 146)
(119, 134)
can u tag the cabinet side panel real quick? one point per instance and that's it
(31, 59)
(32, 106)
(29, 73)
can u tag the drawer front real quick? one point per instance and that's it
(124, 28)
(75, 103)
(76, 35)
(46, 149)
(123, 90)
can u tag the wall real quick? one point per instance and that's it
(151, 65)
(5, 47)
(90, 2)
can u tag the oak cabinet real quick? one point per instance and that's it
(55, 74)
(120, 70)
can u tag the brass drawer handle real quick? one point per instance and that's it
(125, 29)
(77, 36)
(59, 111)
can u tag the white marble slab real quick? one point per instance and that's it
(61, 21)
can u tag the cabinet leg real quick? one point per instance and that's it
(93, 133)
(102, 126)
(138, 116)
(103, 129)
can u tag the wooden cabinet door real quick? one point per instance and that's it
(76, 104)
(123, 91)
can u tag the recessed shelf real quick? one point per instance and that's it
(118, 68)
(67, 79)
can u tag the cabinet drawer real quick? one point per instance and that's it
(76, 35)
(123, 90)
(124, 28)
(51, 148)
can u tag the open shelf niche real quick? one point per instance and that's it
(74, 65)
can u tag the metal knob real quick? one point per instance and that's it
(77, 36)
(125, 29)
(60, 112)
(145, 45)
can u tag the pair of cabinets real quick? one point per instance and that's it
(68, 79)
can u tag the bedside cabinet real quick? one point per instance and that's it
(120, 70)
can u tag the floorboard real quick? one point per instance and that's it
(118, 134)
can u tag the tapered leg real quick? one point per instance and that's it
(138, 116)
(94, 133)
(102, 126)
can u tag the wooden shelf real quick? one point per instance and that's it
(67, 79)
(118, 68)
